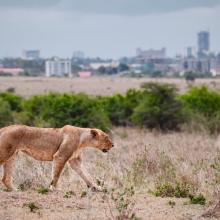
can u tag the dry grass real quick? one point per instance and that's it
(141, 159)
(28, 86)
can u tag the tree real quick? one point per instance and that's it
(102, 70)
(159, 108)
(190, 76)
(123, 67)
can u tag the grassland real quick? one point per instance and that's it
(142, 160)
(142, 165)
(28, 86)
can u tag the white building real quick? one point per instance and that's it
(58, 67)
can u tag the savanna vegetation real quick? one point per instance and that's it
(154, 106)
(166, 146)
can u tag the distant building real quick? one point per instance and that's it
(201, 65)
(145, 55)
(215, 66)
(11, 71)
(78, 55)
(203, 43)
(96, 66)
(190, 52)
(31, 54)
(152, 60)
(58, 67)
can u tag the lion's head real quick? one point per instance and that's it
(98, 139)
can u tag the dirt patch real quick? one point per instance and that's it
(14, 205)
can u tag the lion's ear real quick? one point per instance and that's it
(94, 133)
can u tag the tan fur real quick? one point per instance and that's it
(59, 145)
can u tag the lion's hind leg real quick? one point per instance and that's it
(58, 165)
(7, 172)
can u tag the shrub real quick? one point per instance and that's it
(173, 190)
(115, 108)
(202, 100)
(203, 106)
(13, 100)
(57, 110)
(159, 108)
(6, 115)
(120, 108)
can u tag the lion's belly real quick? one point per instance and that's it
(39, 155)
(41, 147)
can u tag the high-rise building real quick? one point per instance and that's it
(151, 54)
(190, 52)
(78, 55)
(203, 43)
(58, 67)
(31, 54)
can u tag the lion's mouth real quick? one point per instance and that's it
(104, 150)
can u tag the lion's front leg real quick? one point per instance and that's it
(76, 164)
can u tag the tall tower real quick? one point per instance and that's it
(203, 43)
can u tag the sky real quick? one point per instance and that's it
(105, 28)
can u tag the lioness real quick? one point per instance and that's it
(50, 144)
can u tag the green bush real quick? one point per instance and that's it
(159, 108)
(202, 100)
(57, 110)
(6, 114)
(155, 106)
(115, 108)
(120, 108)
(13, 100)
(203, 106)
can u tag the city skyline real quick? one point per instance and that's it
(61, 27)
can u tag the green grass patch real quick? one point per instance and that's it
(43, 190)
(198, 199)
(33, 207)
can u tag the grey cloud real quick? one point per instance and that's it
(28, 3)
(119, 7)
(135, 7)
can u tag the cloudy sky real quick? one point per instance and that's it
(105, 28)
